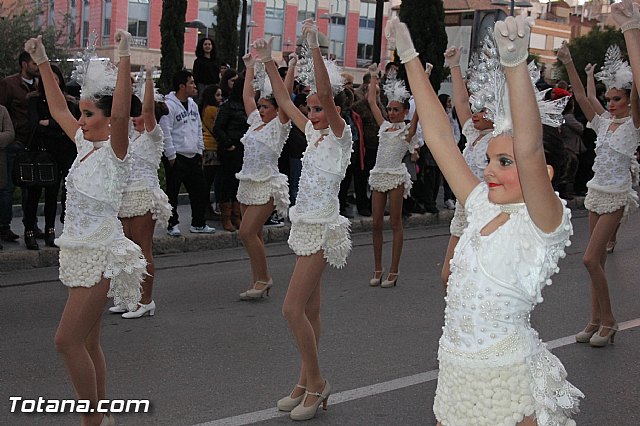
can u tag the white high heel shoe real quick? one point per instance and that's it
(117, 310)
(141, 311)
(288, 403)
(253, 293)
(305, 413)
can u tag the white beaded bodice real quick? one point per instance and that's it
(324, 165)
(392, 148)
(615, 152)
(262, 148)
(94, 194)
(475, 150)
(145, 150)
(496, 281)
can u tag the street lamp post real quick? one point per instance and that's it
(247, 40)
(512, 4)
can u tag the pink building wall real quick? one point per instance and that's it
(155, 14)
(351, 40)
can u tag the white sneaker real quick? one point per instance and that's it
(174, 231)
(206, 229)
(450, 204)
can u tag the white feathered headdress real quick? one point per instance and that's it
(395, 89)
(550, 110)
(615, 73)
(96, 77)
(261, 82)
(306, 76)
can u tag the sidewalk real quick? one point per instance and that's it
(15, 255)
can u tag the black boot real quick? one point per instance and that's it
(30, 240)
(49, 237)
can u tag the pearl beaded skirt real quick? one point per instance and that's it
(254, 193)
(601, 202)
(306, 239)
(139, 202)
(459, 221)
(122, 262)
(383, 182)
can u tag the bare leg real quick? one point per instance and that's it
(301, 309)
(253, 218)
(395, 211)
(528, 421)
(601, 227)
(378, 202)
(78, 342)
(446, 266)
(141, 232)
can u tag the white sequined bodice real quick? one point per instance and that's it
(324, 165)
(145, 150)
(94, 194)
(392, 148)
(496, 281)
(475, 151)
(615, 151)
(262, 148)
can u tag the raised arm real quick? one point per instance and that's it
(460, 95)
(323, 84)
(148, 106)
(283, 98)
(55, 98)
(248, 94)
(627, 15)
(635, 104)
(121, 106)
(372, 95)
(512, 40)
(564, 55)
(591, 90)
(438, 135)
(288, 83)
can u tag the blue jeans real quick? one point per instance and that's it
(6, 192)
(295, 168)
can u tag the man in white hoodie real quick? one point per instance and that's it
(183, 148)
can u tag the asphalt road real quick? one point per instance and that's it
(208, 358)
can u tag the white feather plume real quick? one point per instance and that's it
(306, 77)
(395, 89)
(615, 73)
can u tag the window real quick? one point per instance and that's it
(306, 9)
(106, 27)
(85, 33)
(337, 49)
(275, 9)
(365, 53)
(277, 40)
(139, 1)
(367, 15)
(137, 28)
(338, 11)
(207, 5)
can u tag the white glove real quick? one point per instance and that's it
(452, 56)
(373, 70)
(123, 38)
(428, 67)
(35, 48)
(590, 68)
(249, 60)
(263, 49)
(512, 39)
(293, 60)
(563, 54)
(398, 32)
(626, 14)
(310, 33)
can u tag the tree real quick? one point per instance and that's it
(17, 25)
(226, 32)
(591, 48)
(172, 42)
(425, 19)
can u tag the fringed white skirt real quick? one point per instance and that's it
(459, 221)
(505, 395)
(333, 239)
(602, 202)
(254, 193)
(122, 262)
(383, 182)
(140, 201)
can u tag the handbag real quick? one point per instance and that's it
(34, 167)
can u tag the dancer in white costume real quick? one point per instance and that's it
(477, 119)
(318, 233)
(609, 193)
(389, 177)
(262, 187)
(493, 368)
(144, 203)
(96, 259)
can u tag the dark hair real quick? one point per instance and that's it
(271, 99)
(224, 81)
(366, 79)
(389, 65)
(200, 48)
(181, 78)
(160, 109)
(283, 72)
(235, 94)
(340, 100)
(300, 99)
(443, 97)
(208, 97)
(105, 102)
(23, 57)
(62, 85)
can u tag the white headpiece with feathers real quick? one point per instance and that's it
(615, 73)
(306, 76)
(96, 77)
(551, 110)
(395, 89)
(261, 82)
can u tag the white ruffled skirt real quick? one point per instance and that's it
(140, 201)
(505, 395)
(383, 182)
(602, 202)
(333, 239)
(254, 193)
(122, 262)
(459, 221)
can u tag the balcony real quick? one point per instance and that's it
(139, 41)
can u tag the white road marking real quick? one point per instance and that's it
(376, 389)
